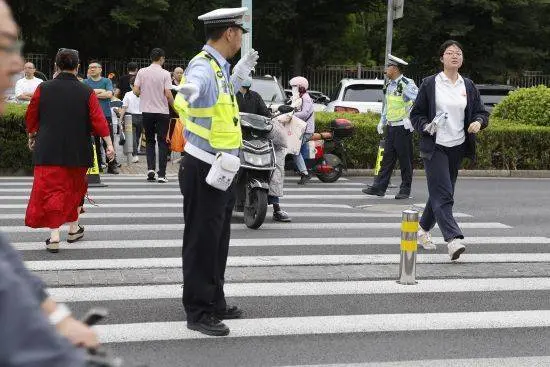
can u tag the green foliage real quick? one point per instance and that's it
(530, 106)
(15, 156)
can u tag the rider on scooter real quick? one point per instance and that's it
(304, 111)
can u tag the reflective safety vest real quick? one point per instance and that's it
(396, 107)
(225, 128)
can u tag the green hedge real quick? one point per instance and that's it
(504, 145)
(529, 106)
(15, 157)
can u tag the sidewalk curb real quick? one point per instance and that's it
(461, 173)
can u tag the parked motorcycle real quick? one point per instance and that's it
(257, 164)
(326, 151)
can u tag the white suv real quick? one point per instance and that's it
(357, 96)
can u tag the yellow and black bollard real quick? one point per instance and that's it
(407, 263)
(379, 157)
(92, 175)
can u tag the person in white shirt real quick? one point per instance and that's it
(448, 113)
(130, 104)
(25, 87)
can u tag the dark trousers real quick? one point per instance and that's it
(97, 142)
(156, 123)
(398, 146)
(207, 214)
(138, 127)
(441, 173)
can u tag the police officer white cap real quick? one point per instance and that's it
(225, 17)
(393, 60)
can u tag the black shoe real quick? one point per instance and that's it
(281, 216)
(232, 312)
(112, 169)
(209, 325)
(304, 179)
(402, 195)
(371, 190)
(151, 176)
(52, 247)
(73, 237)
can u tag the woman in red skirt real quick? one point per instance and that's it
(61, 117)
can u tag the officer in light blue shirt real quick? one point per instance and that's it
(400, 94)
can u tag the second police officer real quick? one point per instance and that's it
(400, 94)
(207, 102)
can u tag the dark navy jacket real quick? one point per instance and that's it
(424, 111)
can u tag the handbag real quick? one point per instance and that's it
(175, 137)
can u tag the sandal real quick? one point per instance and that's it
(52, 247)
(73, 237)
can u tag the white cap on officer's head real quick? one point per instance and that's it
(393, 60)
(225, 17)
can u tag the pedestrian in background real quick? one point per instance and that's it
(444, 142)
(250, 101)
(124, 81)
(212, 127)
(153, 85)
(400, 94)
(25, 87)
(61, 117)
(130, 104)
(304, 111)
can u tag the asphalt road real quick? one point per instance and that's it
(318, 291)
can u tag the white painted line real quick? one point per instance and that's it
(267, 226)
(179, 204)
(179, 197)
(94, 191)
(477, 362)
(287, 289)
(254, 261)
(172, 183)
(179, 214)
(317, 325)
(273, 242)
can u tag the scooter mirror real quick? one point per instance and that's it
(285, 109)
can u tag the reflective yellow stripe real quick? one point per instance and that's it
(197, 129)
(201, 112)
(409, 245)
(409, 227)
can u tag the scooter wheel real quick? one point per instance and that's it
(254, 213)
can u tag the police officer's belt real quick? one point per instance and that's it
(396, 123)
(199, 153)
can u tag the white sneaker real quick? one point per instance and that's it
(135, 159)
(424, 239)
(162, 180)
(456, 247)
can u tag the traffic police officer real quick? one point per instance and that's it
(206, 100)
(400, 95)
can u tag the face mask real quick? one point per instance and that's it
(295, 93)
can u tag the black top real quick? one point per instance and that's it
(124, 84)
(63, 137)
(252, 102)
(424, 111)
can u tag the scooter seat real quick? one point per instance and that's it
(325, 135)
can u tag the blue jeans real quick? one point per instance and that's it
(299, 158)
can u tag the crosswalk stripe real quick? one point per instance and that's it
(138, 177)
(174, 183)
(272, 242)
(179, 204)
(170, 215)
(286, 289)
(266, 226)
(259, 261)
(316, 325)
(179, 197)
(94, 191)
(464, 362)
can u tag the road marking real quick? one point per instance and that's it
(317, 325)
(266, 226)
(179, 197)
(179, 204)
(295, 260)
(273, 242)
(287, 289)
(179, 215)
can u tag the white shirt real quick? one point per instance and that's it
(26, 86)
(450, 98)
(131, 103)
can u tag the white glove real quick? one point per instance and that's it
(380, 128)
(189, 91)
(407, 124)
(246, 64)
(439, 120)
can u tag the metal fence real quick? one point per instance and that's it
(321, 78)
